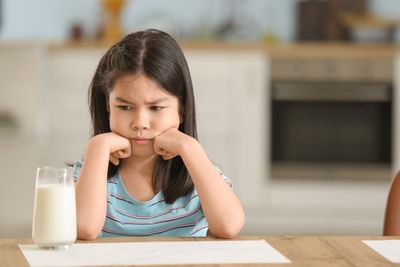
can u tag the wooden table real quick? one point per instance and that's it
(321, 251)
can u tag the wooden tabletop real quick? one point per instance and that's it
(300, 250)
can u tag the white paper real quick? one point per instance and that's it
(151, 253)
(390, 249)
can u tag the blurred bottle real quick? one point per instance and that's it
(76, 32)
(270, 37)
(112, 23)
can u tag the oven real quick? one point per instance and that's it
(331, 126)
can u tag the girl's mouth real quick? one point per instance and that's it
(141, 140)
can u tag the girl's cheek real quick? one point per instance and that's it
(172, 120)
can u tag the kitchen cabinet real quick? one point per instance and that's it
(67, 74)
(231, 91)
(19, 87)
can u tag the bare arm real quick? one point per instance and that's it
(221, 207)
(91, 188)
(392, 216)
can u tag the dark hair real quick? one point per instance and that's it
(158, 56)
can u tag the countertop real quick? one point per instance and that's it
(277, 50)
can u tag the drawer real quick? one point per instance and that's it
(73, 63)
(359, 69)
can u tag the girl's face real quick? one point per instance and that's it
(140, 110)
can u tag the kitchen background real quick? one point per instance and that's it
(296, 100)
(254, 19)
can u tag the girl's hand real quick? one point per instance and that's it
(120, 147)
(170, 143)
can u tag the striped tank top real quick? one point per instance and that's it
(127, 216)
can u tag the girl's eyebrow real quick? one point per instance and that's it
(157, 101)
(153, 102)
(123, 100)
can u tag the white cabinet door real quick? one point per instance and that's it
(19, 86)
(65, 111)
(231, 90)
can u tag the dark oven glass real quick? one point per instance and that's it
(313, 128)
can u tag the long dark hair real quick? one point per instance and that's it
(158, 56)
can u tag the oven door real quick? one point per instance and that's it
(331, 130)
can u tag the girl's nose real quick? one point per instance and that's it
(140, 121)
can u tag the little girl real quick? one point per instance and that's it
(144, 172)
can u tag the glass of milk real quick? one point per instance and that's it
(54, 210)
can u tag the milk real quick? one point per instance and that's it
(54, 221)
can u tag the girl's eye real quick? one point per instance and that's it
(156, 108)
(123, 107)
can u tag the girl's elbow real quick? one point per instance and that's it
(231, 228)
(89, 228)
(87, 234)
(237, 223)
(234, 229)
(227, 232)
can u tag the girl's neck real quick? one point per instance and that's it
(139, 166)
(136, 174)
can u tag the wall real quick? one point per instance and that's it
(51, 19)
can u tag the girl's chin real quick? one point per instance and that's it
(143, 153)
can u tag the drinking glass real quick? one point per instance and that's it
(54, 210)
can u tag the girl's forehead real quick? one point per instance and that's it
(136, 80)
(134, 85)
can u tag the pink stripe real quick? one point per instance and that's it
(155, 215)
(173, 227)
(153, 232)
(127, 200)
(198, 229)
(161, 221)
(117, 196)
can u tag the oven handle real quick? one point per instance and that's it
(311, 91)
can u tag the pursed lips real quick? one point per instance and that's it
(141, 140)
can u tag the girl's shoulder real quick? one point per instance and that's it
(77, 167)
